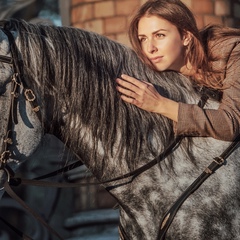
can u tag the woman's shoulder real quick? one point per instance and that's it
(221, 50)
(224, 52)
(226, 43)
(220, 38)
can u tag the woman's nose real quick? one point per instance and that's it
(151, 48)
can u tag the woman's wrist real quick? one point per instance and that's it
(168, 108)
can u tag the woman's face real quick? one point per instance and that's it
(162, 43)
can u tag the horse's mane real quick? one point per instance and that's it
(80, 68)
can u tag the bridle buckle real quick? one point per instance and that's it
(30, 96)
(4, 157)
(219, 160)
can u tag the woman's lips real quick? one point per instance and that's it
(156, 59)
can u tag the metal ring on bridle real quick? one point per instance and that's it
(30, 96)
(8, 176)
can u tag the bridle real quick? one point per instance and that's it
(18, 83)
(5, 153)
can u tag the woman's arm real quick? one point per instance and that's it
(145, 96)
(189, 119)
(224, 122)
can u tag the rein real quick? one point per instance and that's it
(212, 167)
(5, 155)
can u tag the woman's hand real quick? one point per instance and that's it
(140, 93)
(145, 96)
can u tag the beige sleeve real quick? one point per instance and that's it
(223, 123)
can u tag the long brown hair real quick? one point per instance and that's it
(197, 52)
(217, 36)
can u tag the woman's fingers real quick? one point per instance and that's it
(133, 82)
(130, 90)
(145, 96)
(130, 79)
(129, 100)
(127, 85)
(136, 88)
(140, 93)
(126, 91)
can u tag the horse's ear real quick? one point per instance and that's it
(187, 37)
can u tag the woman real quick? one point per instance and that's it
(165, 36)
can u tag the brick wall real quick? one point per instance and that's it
(107, 17)
(225, 12)
(111, 17)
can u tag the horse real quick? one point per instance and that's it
(71, 72)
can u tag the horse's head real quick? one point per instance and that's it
(20, 128)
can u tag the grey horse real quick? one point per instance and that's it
(72, 73)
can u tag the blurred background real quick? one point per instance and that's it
(87, 212)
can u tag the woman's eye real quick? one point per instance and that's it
(142, 39)
(160, 35)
